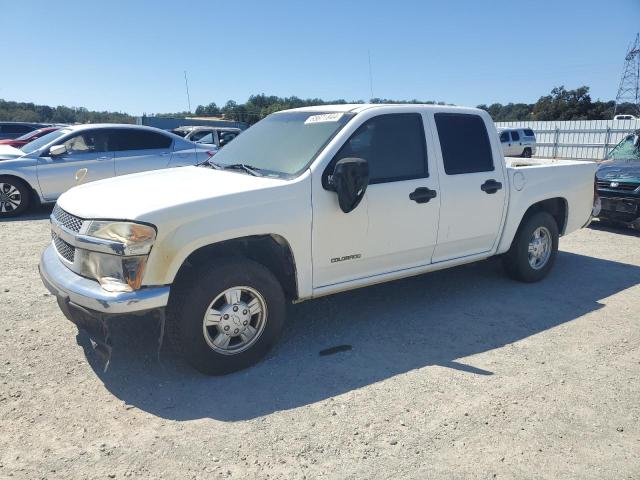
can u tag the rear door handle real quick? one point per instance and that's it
(105, 157)
(422, 195)
(491, 186)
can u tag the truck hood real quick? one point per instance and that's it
(626, 170)
(7, 152)
(143, 195)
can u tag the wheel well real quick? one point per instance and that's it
(557, 207)
(271, 251)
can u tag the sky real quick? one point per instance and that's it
(130, 56)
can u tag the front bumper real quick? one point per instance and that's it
(70, 287)
(619, 208)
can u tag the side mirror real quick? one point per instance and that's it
(349, 180)
(57, 150)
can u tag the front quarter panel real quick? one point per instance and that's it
(283, 210)
(25, 168)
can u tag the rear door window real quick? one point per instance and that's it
(515, 136)
(203, 137)
(123, 139)
(464, 142)
(200, 134)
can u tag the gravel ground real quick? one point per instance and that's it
(457, 374)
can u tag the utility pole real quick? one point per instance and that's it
(370, 76)
(629, 89)
(186, 85)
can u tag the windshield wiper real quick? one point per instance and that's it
(250, 169)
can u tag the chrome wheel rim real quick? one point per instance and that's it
(539, 248)
(10, 198)
(234, 320)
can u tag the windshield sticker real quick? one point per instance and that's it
(324, 117)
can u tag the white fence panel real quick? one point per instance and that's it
(588, 139)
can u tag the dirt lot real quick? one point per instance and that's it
(456, 374)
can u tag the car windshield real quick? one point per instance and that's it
(627, 149)
(27, 136)
(44, 140)
(283, 144)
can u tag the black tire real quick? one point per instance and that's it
(11, 190)
(526, 153)
(191, 298)
(516, 260)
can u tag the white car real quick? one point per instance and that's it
(305, 203)
(518, 142)
(218, 136)
(45, 168)
(624, 117)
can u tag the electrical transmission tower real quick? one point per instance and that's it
(629, 90)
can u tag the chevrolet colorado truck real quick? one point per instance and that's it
(307, 202)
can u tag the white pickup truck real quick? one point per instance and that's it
(307, 202)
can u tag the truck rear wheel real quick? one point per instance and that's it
(534, 249)
(526, 153)
(227, 317)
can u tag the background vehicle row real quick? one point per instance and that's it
(69, 156)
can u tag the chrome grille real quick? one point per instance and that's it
(629, 187)
(65, 250)
(68, 221)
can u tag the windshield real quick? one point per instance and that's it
(627, 149)
(44, 140)
(27, 136)
(283, 144)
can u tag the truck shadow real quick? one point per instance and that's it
(37, 212)
(434, 319)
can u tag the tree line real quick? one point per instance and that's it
(30, 112)
(560, 104)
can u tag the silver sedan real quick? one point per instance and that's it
(67, 157)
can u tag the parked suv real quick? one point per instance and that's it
(218, 136)
(618, 181)
(518, 142)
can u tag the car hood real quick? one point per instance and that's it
(7, 152)
(625, 170)
(149, 195)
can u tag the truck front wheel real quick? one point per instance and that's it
(225, 318)
(534, 249)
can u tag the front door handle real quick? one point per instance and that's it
(491, 186)
(422, 195)
(105, 157)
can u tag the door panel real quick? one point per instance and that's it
(86, 161)
(388, 231)
(139, 150)
(471, 215)
(133, 161)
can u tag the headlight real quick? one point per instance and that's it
(135, 238)
(118, 256)
(115, 273)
